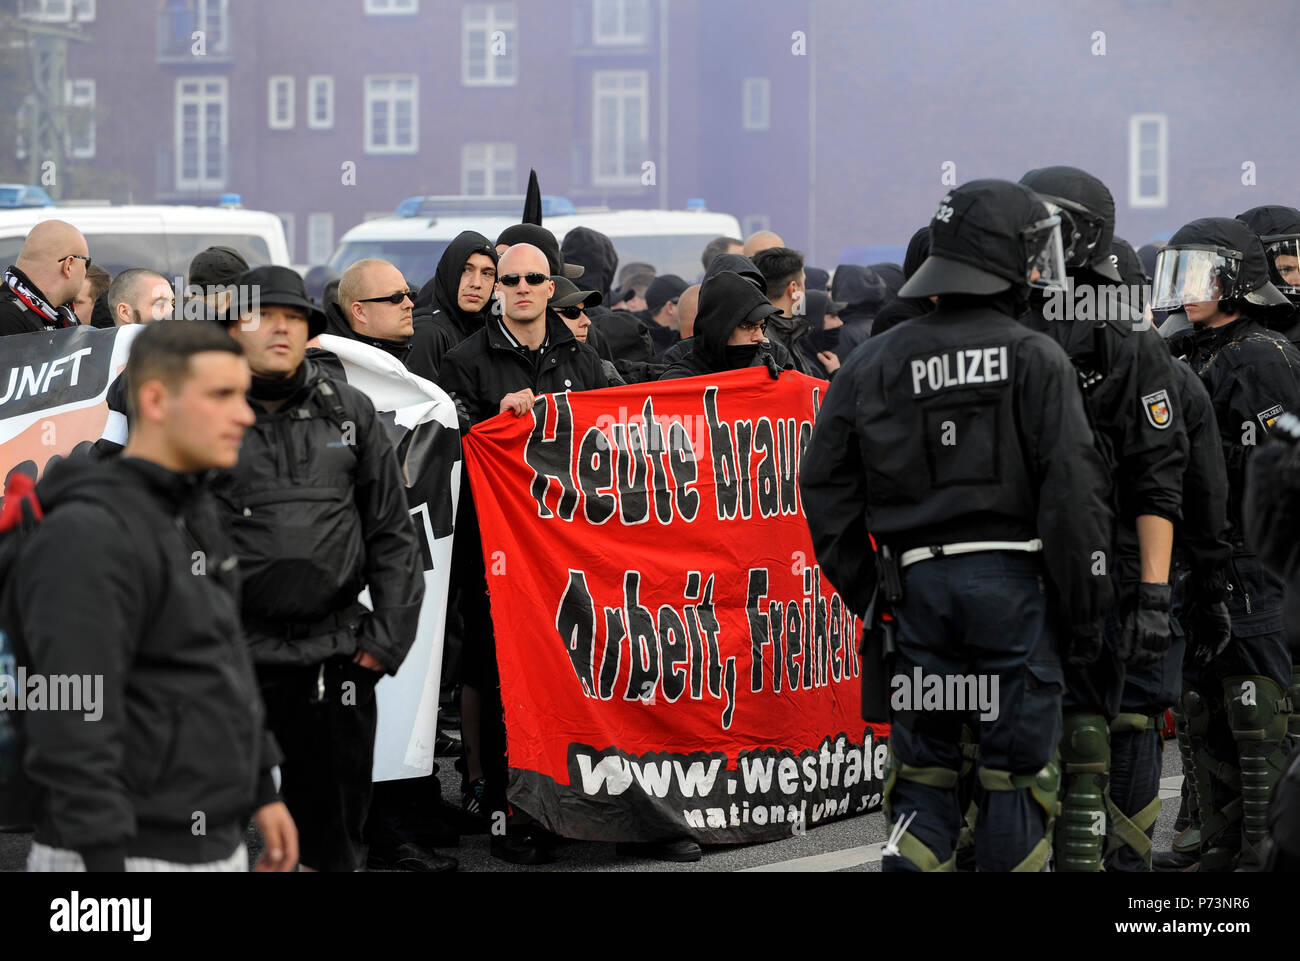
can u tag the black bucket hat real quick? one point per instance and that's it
(282, 287)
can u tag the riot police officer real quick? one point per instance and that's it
(1109, 759)
(960, 443)
(1278, 229)
(1237, 707)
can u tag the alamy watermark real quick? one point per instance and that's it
(77, 693)
(919, 691)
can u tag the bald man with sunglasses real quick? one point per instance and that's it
(376, 307)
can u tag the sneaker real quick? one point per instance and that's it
(471, 799)
(681, 850)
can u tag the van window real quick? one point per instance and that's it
(676, 254)
(416, 259)
(170, 255)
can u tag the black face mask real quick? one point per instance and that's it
(740, 357)
(823, 340)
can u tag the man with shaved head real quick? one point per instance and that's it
(139, 296)
(522, 350)
(762, 240)
(39, 289)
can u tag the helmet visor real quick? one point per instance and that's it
(1044, 253)
(1284, 256)
(1193, 275)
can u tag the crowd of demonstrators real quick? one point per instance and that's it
(1189, 610)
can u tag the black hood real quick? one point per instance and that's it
(1069, 186)
(918, 248)
(80, 478)
(100, 315)
(1253, 281)
(1126, 261)
(725, 301)
(737, 264)
(892, 276)
(595, 252)
(820, 339)
(816, 279)
(861, 288)
(440, 293)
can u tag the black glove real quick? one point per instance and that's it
(1145, 633)
(1209, 628)
(1083, 645)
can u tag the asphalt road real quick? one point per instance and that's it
(852, 844)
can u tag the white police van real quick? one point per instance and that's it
(415, 237)
(161, 238)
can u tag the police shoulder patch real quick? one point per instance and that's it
(1269, 417)
(1157, 409)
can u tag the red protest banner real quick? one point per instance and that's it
(672, 662)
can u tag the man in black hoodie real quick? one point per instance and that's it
(181, 728)
(456, 302)
(728, 330)
(865, 292)
(622, 338)
(905, 308)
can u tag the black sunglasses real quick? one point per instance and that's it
(512, 280)
(396, 298)
(573, 313)
(78, 257)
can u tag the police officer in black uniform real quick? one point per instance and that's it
(1216, 271)
(1127, 382)
(960, 443)
(1278, 229)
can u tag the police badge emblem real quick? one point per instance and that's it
(1269, 417)
(1157, 407)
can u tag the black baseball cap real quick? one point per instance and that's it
(217, 267)
(663, 289)
(567, 294)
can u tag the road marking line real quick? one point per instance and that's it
(830, 861)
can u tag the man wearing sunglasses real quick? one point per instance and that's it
(729, 330)
(524, 351)
(39, 289)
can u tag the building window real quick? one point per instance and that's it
(620, 126)
(190, 29)
(290, 240)
(392, 108)
(621, 23)
(487, 169)
(320, 103)
(757, 109)
(279, 103)
(81, 119)
(1148, 160)
(376, 8)
(489, 52)
(320, 238)
(58, 11)
(202, 137)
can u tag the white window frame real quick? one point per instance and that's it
(491, 159)
(204, 11)
(290, 224)
(313, 83)
(391, 8)
(470, 20)
(1136, 123)
(273, 120)
(761, 88)
(371, 98)
(320, 225)
(202, 182)
(625, 178)
(82, 101)
(621, 38)
(47, 11)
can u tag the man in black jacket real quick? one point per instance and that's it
(165, 779)
(457, 301)
(1216, 271)
(318, 511)
(525, 351)
(959, 441)
(729, 329)
(40, 287)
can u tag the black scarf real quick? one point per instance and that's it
(278, 388)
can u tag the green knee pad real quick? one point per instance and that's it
(1044, 787)
(1258, 713)
(1085, 767)
(907, 845)
(1293, 692)
(1131, 831)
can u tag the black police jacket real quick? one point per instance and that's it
(487, 366)
(960, 425)
(318, 510)
(132, 577)
(1201, 537)
(1130, 397)
(1253, 377)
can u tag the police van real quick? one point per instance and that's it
(415, 237)
(161, 238)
